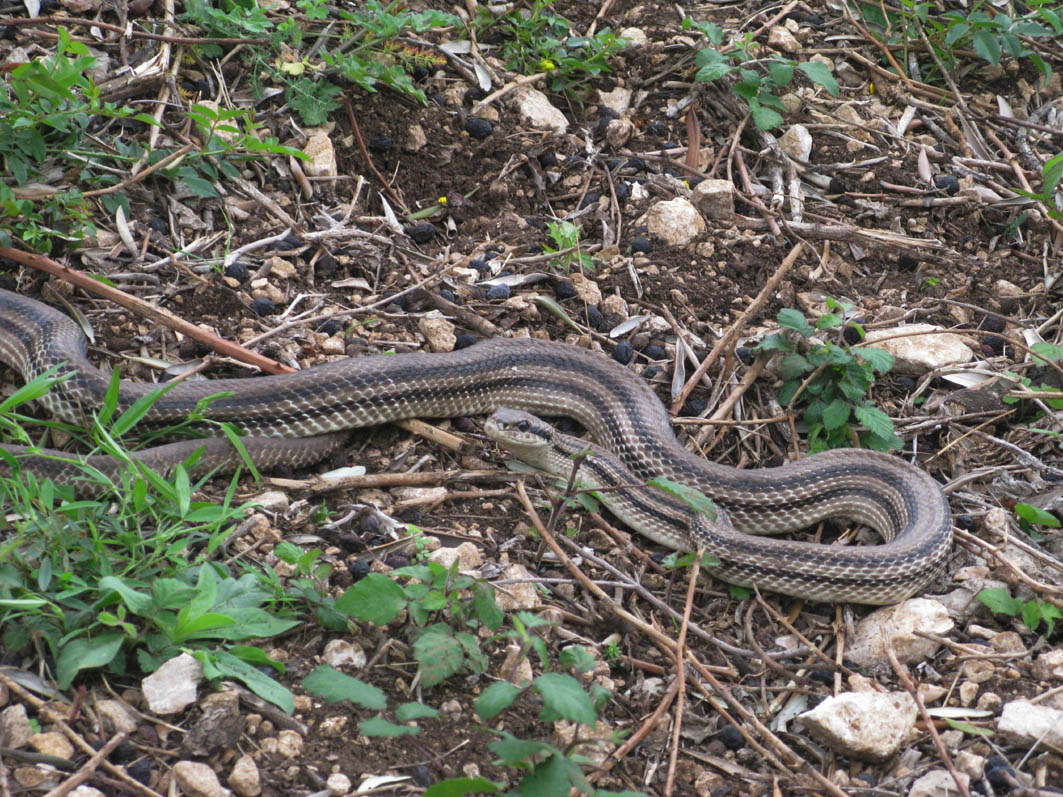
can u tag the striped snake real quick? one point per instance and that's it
(902, 503)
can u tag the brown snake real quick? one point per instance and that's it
(902, 503)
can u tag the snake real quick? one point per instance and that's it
(296, 417)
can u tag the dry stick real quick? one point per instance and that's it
(750, 195)
(517, 82)
(988, 547)
(139, 306)
(636, 738)
(88, 768)
(718, 417)
(728, 338)
(785, 623)
(666, 644)
(681, 674)
(144, 173)
(914, 693)
(369, 161)
(69, 22)
(52, 716)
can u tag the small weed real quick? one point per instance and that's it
(1047, 197)
(990, 33)
(831, 380)
(566, 238)
(1033, 612)
(758, 81)
(537, 40)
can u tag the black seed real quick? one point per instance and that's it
(836, 186)
(657, 128)
(563, 289)
(421, 233)
(636, 164)
(326, 266)
(398, 301)
(158, 225)
(548, 159)
(964, 521)
(641, 243)
(867, 777)
(693, 181)
(655, 352)
(905, 263)
(906, 383)
(592, 316)
(948, 183)
(464, 340)
(650, 371)
(992, 323)
(444, 293)
(381, 143)
(370, 524)
(419, 72)
(359, 569)
(623, 352)
(422, 776)
(694, 407)
(732, 738)
(590, 198)
(623, 192)
(480, 265)
(478, 128)
(237, 270)
(745, 355)
(263, 306)
(498, 293)
(825, 677)
(330, 327)
(140, 770)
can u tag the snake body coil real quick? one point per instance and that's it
(902, 503)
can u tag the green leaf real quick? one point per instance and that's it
(828, 321)
(1033, 514)
(776, 341)
(820, 74)
(577, 657)
(836, 414)
(967, 727)
(876, 421)
(85, 654)
(512, 751)
(781, 73)
(563, 695)
(485, 606)
(459, 787)
(764, 118)
(137, 602)
(375, 599)
(378, 726)
(258, 682)
(986, 45)
(438, 653)
(789, 318)
(999, 601)
(495, 699)
(691, 496)
(794, 366)
(334, 686)
(880, 360)
(407, 712)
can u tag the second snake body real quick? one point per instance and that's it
(904, 504)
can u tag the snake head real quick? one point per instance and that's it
(517, 430)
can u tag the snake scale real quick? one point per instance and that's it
(903, 504)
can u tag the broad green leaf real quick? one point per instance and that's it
(460, 787)
(836, 414)
(512, 751)
(415, 711)
(495, 699)
(789, 318)
(563, 695)
(375, 599)
(1033, 514)
(879, 359)
(86, 654)
(986, 45)
(876, 421)
(820, 74)
(257, 681)
(1000, 601)
(438, 653)
(691, 496)
(137, 602)
(334, 686)
(378, 726)
(577, 657)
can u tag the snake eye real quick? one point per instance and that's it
(523, 426)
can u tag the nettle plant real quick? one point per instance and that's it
(757, 81)
(830, 381)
